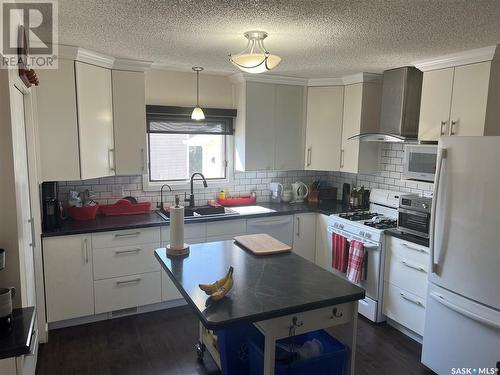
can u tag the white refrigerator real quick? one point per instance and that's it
(462, 322)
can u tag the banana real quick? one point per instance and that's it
(212, 288)
(223, 290)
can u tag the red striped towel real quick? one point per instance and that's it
(339, 253)
(356, 260)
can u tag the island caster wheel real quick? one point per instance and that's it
(200, 351)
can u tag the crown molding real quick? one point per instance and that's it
(267, 78)
(346, 80)
(132, 65)
(461, 58)
(100, 59)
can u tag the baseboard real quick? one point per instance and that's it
(117, 314)
(408, 332)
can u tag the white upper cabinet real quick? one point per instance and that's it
(361, 115)
(95, 120)
(460, 101)
(289, 127)
(435, 104)
(57, 123)
(129, 121)
(269, 127)
(324, 128)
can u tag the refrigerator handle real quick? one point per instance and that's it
(435, 257)
(469, 314)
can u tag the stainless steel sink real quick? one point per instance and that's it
(201, 212)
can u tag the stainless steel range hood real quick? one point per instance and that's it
(401, 91)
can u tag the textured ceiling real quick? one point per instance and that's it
(315, 38)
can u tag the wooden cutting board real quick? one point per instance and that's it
(262, 244)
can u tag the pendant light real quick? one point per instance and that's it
(255, 58)
(197, 111)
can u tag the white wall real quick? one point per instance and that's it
(179, 89)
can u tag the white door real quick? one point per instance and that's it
(304, 235)
(464, 239)
(459, 333)
(435, 104)
(469, 100)
(95, 120)
(23, 203)
(69, 283)
(129, 122)
(289, 127)
(324, 128)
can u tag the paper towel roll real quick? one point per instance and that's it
(177, 228)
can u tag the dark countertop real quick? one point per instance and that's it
(264, 286)
(107, 223)
(408, 237)
(17, 342)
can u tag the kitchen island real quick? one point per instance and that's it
(280, 294)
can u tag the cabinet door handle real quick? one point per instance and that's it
(443, 123)
(412, 266)
(143, 160)
(414, 248)
(119, 235)
(32, 225)
(405, 297)
(121, 282)
(118, 252)
(86, 249)
(453, 128)
(342, 158)
(111, 159)
(309, 152)
(298, 227)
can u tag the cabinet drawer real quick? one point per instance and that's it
(125, 237)
(196, 230)
(126, 260)
(130, 291)
(227, 227)
(410, 251)
(404, 307)
(407, 274)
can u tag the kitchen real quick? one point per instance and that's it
(132, 174)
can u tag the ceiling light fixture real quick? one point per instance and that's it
(255, 58)
(197, 111)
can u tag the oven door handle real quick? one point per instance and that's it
(411, 212)
(349, 238)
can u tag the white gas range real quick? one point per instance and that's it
(368, 227)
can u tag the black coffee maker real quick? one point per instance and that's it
(50, 206)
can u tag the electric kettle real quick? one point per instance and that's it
(300, 191)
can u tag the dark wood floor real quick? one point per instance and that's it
(162, 343)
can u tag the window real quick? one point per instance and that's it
(180, 146)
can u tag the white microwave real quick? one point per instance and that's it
(419, 162)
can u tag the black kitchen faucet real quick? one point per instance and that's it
(191, 196)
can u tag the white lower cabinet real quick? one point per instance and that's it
(304, 235)
(279, 227)
(69, 283)
(323, 256)
(169, 291)
(405, 283)
(127, 291)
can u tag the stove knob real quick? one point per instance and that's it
(368, 235)
(341, 226)
(362, 233)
